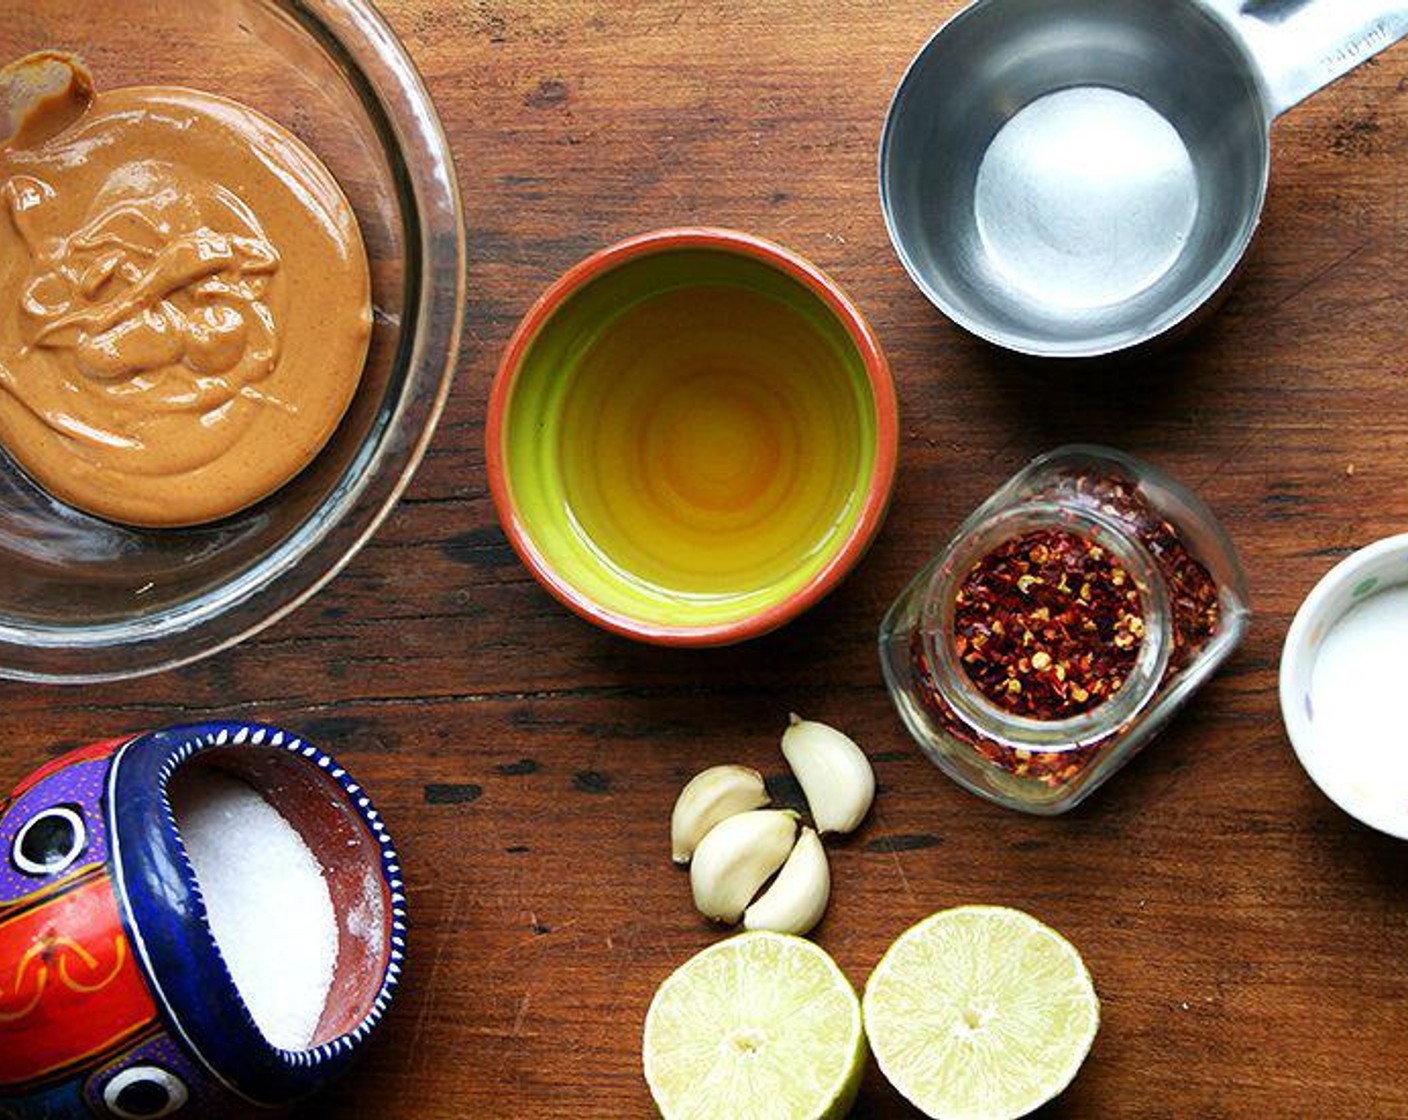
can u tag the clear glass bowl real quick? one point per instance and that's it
(85, 600)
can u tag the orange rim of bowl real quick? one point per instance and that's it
(882, 392)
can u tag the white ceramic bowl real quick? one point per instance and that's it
(1345, 720)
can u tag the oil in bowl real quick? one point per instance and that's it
(711, 442)
(692, 440)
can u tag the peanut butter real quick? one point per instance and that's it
(185, 303)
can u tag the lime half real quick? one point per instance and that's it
(981, 1013)
(762, 1026)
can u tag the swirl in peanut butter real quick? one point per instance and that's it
(184, 306)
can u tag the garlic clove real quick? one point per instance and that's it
(736, 857)
(710, 797)
(834, 774)
(798, 896)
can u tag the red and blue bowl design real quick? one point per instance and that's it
(114, 998)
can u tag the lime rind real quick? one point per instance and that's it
(981, 1013)
(762, 1026)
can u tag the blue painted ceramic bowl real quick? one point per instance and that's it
(115, 999)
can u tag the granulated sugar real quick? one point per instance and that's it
(268, 901)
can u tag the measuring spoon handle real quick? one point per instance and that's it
(1302, 46)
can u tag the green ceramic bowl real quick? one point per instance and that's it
(692, 437)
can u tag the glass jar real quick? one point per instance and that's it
(1066, 621)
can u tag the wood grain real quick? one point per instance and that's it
(1248, 940)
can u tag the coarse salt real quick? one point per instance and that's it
(267, 900)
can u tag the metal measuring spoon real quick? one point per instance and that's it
(1072, 178)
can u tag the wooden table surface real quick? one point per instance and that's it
(1248, 940)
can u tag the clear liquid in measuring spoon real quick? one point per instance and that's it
(1085, 198)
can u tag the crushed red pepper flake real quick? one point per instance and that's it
(1048, 768)
(1194, 604)
(1194, 618)
(1083, 644)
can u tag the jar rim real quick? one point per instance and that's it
(975, 541)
